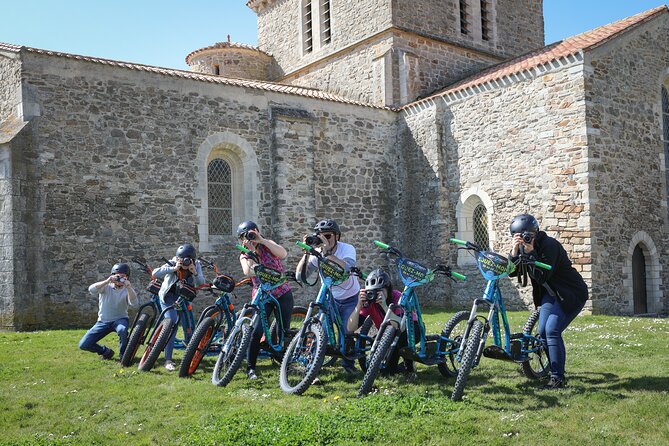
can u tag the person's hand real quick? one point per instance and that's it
(111, 278)
(192, 269)
(518, 242)
(259, 238)
(127, 284)
(179, 265)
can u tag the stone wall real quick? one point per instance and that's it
(492, 143)
(279, 30)
(628, 187)
(240, 63)
(10, 87)
(442, 19)
(117, 177)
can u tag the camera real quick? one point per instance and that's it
(187, 261)
(371, 295)
(313, 240)
(118, 279)
(250, 235)
(528, 237)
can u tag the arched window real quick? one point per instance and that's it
(480, 220)
(219, 186)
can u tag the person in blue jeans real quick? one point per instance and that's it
(115, 294)
(561, 292)
(182, 268)
(345, 294)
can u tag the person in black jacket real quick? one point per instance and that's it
(561, 292)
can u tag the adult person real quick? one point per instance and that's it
(346, 293)
(561, 292)
(115, 295)
(270, 254)
(183, 268)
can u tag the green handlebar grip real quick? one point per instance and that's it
(381, 244)
(543, 265)
(458, 242)
(458, 275)
(242, 249)
(303, 246)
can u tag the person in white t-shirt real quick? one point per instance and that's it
(346, 293)
(115, 294)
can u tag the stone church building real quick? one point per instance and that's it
(408, 122)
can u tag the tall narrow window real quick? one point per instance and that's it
(217, 69)
(485, 20)
(326, 32)
(481, 227)
(464, 17)
(665, 133)
(219, 184)
(307, 28)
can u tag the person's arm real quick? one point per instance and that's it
(276, 249)
(198, 275)
(310, 266)
(162, 271)
(98, 287)
(133, 301)
(247, 265)
(550, 252)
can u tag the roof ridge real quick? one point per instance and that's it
(570, 46)
(174, 72)
(220, 45)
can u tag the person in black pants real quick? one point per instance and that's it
(270, 254)
(561, 292)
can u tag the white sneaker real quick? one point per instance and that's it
(169, 365)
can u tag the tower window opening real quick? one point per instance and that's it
(485, 20)
(326, 32)
(217, 69)
(307, 28)
(464, 16)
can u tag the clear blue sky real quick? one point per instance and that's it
(163, 32)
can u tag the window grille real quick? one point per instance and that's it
(219, 185)
(307, 28)
(464, 16)
(326, 32)
(485, 20)
(481, 237)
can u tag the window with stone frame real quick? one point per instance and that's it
(326, 28)
(486, 25)
(464, 18)
(480, 220)
(665, 126)
(307, 27)
(219, 190)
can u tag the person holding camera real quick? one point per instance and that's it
(183, 268)
(326, 239)
(374, 301)
(115, 294)
(561, 292)
(269, 254)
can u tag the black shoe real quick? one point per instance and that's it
(349, 369)
(555, 383)
(108, 353)
(251, 373)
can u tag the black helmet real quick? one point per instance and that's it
(246, 226)
(327, 226)
(524, 223)
(378, 279)
(186, 250)
(224, 283)
(121, 268)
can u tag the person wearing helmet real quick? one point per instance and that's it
(561, 292)
(373, 301)
(115, 294)
(327, 237)
(270, 254)
(183, 268)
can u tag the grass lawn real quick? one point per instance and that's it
(53, 393)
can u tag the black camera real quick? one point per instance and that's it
(528, 237)
(118, 279)
(250, 235)
(187, 261)
(313, 240)
(371, 295)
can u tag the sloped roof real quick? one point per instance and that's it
(259, 85)
(224, 45)
(568, 47)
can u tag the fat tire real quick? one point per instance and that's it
(468, 358)
(153, 349)
(244, 335)
(376, 361)
(448, 368)
(134, 340)
(367, 327)
(526, 366)
(197, 347)
(313, 367)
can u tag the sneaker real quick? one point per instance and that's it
(555, 383)
(349, 369)
(108, 353)
(170, 365)
(251, 373)
(316, 382)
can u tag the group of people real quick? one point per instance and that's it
(560, 293)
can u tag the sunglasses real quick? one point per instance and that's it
(327, 236)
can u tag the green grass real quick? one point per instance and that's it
(53, 393)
